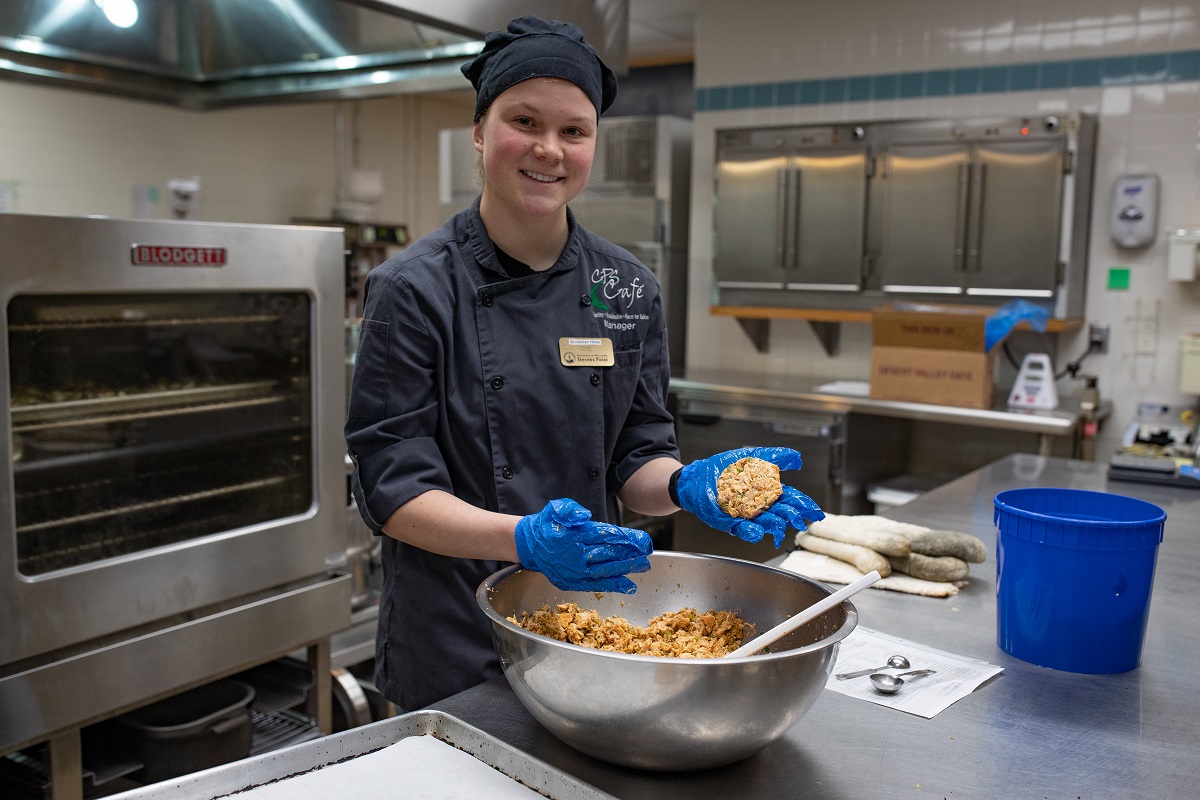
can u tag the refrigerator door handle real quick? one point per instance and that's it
(960, 216)
(781, 217)
(794, 255)
(975, 243)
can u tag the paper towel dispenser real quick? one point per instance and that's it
(1183, 250)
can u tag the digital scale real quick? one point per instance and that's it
(1159, 446)
(1154, 469)
(1034, 387)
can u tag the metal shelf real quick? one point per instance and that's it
(826, 323)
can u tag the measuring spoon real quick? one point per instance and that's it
(895, 662)
(890, 684)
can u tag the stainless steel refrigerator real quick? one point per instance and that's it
(850, 216)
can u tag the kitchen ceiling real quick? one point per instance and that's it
(661, 32)
(215, 53)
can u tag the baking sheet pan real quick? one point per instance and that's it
(332, 751)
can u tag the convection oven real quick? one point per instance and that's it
(173, 482)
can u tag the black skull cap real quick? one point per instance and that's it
(532, 47)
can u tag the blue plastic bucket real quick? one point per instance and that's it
(1074, 570)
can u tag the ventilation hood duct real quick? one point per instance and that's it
(206, 54)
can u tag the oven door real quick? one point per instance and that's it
(174, 399)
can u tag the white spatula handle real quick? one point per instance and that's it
(812, 612)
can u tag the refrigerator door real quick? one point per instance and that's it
(753, 205)
(1013, 237)
(829, 200)
(925, 215)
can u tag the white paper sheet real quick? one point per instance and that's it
(414, 768)
(852, 388)
(956, 676)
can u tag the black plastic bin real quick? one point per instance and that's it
(197, 729)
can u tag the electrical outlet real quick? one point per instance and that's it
(1098, 337)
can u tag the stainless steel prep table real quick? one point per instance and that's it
(1030, 733)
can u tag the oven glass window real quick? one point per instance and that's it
(142, 421)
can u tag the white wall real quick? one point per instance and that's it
(1144, 127)
(68, 152)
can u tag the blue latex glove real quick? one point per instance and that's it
(578, 555)
(1008, 316)
(697, 491)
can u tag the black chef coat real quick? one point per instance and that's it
(459, 385)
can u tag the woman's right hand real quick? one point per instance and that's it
(577, 554)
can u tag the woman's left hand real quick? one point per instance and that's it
(697, 491)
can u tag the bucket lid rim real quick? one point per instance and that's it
(1158, 516)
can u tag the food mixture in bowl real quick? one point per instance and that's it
(748, 487)
(676, 634)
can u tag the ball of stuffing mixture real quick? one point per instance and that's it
(748, 487)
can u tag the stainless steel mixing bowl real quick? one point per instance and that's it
(669, 713)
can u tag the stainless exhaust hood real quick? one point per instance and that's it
(205, 54)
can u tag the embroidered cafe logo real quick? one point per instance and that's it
(607, 288)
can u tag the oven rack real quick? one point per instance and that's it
(145, 322)
(142, 405)
(65, 540)
(153, 505)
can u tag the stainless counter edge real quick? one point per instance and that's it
(741, 389)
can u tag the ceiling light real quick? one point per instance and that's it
(122, 13)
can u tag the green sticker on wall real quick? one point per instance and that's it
(1118, 277)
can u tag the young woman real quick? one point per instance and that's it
(511, 384)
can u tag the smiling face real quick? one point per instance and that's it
(537, 140)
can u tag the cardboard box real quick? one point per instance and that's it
(932, 354)
(926, 375)
(938, 327)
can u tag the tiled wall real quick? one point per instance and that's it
(1079, 73)
(1136, 65)
(68, 152)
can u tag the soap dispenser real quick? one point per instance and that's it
(1133, 219)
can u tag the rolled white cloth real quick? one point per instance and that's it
(831, 570)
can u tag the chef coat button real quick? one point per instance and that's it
(585, 300)
(488, 299)
(507, 473)
(593, 473)
(595, 379)
(497, 382)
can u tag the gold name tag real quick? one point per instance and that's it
(585, 352)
